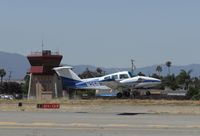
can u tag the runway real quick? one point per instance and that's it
(97, 124)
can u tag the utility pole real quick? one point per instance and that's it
(42, 45)
(133, 66)
(10, 75)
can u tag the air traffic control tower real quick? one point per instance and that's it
(44, 83)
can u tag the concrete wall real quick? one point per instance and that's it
(44, 87)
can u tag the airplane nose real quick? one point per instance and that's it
(158, 80)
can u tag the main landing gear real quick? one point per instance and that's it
(131, 94)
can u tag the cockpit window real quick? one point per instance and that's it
(114, 76)
(123, 76)
(106, 78)
(131, 74)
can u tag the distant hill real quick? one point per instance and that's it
(16, 63)
(19, 65)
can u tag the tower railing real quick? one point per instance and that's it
(38, 53)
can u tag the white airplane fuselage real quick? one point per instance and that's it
(111, 81)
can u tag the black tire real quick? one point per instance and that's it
(119, 95)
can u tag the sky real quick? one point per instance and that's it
(104, 33)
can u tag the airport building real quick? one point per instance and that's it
(44, 83)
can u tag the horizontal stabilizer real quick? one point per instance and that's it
(67, 72)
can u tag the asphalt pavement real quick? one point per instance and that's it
(55, 123)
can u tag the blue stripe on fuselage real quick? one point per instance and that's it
(75, 84)
(69, 83)
(151, 81)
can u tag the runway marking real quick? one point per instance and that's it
(193, 126)
(8, 123)
(161, 126)
(80, 125)
(42, 124)
(118, 125)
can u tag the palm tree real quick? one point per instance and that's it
(159, 69)
(168, 64)
(2, 74)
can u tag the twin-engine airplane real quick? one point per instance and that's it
(111, 81)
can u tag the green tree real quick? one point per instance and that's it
(99, 70)
(193, 93)
(11, 88)
(184, 79)
(2, 74)
(159, 69)
(14, 88)
(89, 74)
(195, 82)
(169, 64)
(141, 74)
(25, 85)
(154, 75)
(194, 89)
(170, 81)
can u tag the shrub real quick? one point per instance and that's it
(193, 92)
(196, 97)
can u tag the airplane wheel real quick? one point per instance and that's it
(119, 95)
(148, 93)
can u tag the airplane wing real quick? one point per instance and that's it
(113, 84)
